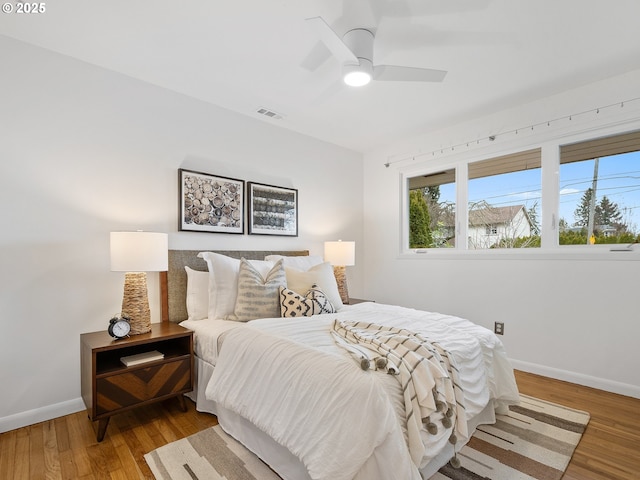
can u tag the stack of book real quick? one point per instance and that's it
(139, 358)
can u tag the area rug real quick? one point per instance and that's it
(210, 454)
(534, 441)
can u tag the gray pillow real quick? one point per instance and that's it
(258, 296)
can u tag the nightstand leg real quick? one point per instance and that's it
(102, 428)
(182, 403)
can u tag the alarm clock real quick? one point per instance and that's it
(119, 327)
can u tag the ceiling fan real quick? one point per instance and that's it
(355, 52)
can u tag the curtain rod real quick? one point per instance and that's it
(515, 131)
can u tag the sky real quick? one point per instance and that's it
(618, 179)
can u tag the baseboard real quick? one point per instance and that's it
(579, 378)
(42, 414)
(49, 412)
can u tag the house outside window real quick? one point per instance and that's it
(491, 230)
(502, 226)
(504, 197)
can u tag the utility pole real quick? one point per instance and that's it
(592, 202)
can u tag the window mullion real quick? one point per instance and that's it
(462, 207)
(550, 215)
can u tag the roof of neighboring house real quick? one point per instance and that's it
(495, 215)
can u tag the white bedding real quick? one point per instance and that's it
(320, 406)
(485, 373)
(205, 338)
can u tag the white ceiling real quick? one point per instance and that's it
(245, 54)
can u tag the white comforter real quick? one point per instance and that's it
(323, 408)
(310, 424)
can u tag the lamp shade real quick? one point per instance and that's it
(340, 253)
(139, 252)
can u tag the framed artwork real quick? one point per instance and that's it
(210, 203)
(272, 210)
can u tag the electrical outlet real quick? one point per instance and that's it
(498, 328)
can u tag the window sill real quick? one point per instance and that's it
(573, 253)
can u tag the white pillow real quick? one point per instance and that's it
(320, 275)
(197, 294)
(303, 263)
(258, 295)
(223, 282)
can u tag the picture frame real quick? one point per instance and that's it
(272, 210)
(210, 203)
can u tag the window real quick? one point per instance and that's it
(588, 192)
(600, 191)
(504, 201)
(432, 212)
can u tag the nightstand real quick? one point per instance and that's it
(353, 301)
(108, 387)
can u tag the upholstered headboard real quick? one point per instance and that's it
(173, 282)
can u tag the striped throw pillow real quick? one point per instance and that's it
(258, 295)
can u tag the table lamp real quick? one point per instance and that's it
(341, 254)
(137, 253)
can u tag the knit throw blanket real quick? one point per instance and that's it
(433, 399)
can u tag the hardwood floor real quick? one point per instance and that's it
(66, 447)
(610, 446)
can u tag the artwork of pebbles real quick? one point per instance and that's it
(211, 201)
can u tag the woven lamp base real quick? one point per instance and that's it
(135, 302)
(341, 278)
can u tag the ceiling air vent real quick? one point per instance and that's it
(269, 113)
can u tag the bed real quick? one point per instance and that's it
(310, 400)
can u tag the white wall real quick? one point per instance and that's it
(84, 151)
(565, 316)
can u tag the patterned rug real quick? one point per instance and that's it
(210, 454)
(534, 441)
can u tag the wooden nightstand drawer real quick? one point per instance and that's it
(142, 384)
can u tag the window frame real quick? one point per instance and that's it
(518, 161)
(550, 198)
(404, 205)
(600, 147)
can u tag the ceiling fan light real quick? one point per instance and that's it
(357, 79)
(357, 75)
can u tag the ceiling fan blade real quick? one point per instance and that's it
(332, 41)
(316, 57)
(394, 73)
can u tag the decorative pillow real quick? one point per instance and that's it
(197, 294)
(303, 263)
(223, 281)
(258, 295)
(315, 302)
(320, 275)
